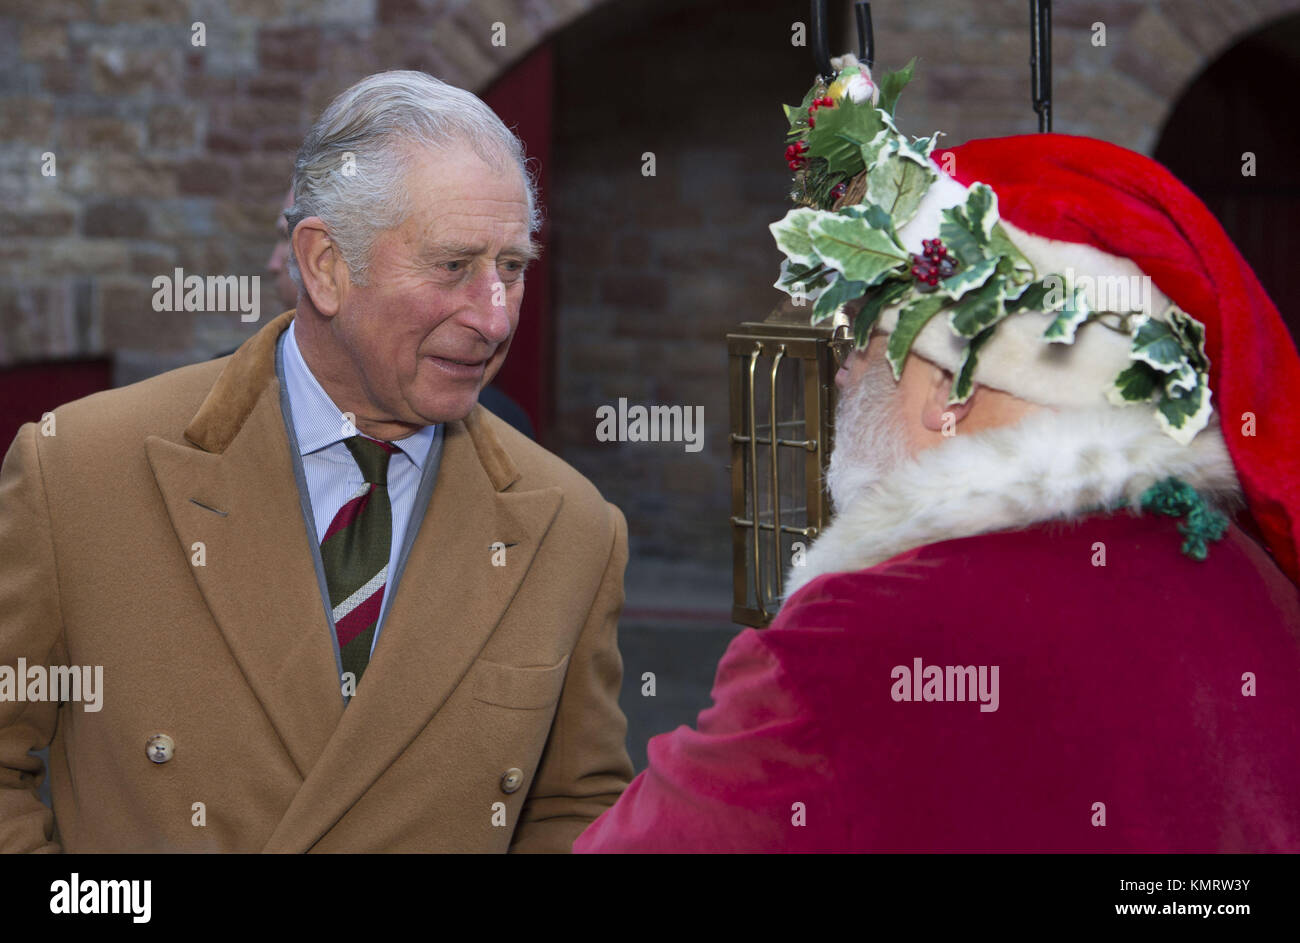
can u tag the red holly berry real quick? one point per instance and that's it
(812, 122)
(933, 264)
(838, 190)
(801, 146)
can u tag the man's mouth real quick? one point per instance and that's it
(462, 369)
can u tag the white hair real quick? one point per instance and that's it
(351, 168)
(870, 433)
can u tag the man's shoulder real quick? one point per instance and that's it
(540, 468)
(174, 395)
(1050, 587)
(161, 405)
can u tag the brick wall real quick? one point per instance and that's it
(171, 155)
(652, 272)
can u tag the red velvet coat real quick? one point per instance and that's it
(1120, 693)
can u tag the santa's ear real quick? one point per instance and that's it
(936, 412)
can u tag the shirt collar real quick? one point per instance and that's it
(318, 423)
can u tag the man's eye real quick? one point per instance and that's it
(456, 266)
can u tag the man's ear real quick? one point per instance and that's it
(324, 273)
(935, 410)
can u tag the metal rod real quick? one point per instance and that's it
(808, 445)
(1040, 60)
(776, 475)
(753, 475)
(821, 40)
(785, 528)
(866, 40)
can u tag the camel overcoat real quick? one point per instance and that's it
(157, 535)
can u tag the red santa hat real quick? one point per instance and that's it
(1063, 191)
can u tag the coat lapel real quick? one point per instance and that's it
(448, 603)
(235, 494)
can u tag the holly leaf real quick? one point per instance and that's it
(914, 316)
(958, 238)
(1182, 417)
(1138, 383)
(841, 291)
(897, 184)
(878, 298)
(794, 112)
(1067, 321)
(891, 86)
(791, 234)
(1191, 336)
(1155, 344)
(924, 146)
(806, 281)
(1031, 297)
(980, 211)
(875, 217)
(854, 247)
(1000, 244)
(978, 309)
(1182, 380)
(871, 151)
(964, 384)
(968, 279)
(839, 135)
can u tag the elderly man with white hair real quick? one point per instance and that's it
(337, 605)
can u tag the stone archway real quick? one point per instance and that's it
(1224, 140)
(1168, 44)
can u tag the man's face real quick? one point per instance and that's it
(278, 264)
(433, 323)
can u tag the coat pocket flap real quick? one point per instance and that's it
(520, 688)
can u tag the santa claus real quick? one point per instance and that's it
(1057, 607)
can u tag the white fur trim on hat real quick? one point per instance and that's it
(1016, 359)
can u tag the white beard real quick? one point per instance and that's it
(1054, 464)
(870, 437)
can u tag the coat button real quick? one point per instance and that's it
(160, 748)
(512, 780)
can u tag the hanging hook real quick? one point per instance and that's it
(866, 41)
(1040, 60)
(821, 41)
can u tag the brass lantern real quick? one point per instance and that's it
(782, 374)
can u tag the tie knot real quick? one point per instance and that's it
(372, 457)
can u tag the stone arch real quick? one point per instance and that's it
(1168, 44)
(461, 50)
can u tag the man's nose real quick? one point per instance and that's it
(276, 260)
(488, 311)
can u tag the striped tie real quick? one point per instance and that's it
(355, 554)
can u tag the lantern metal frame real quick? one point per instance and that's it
(782, 339)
